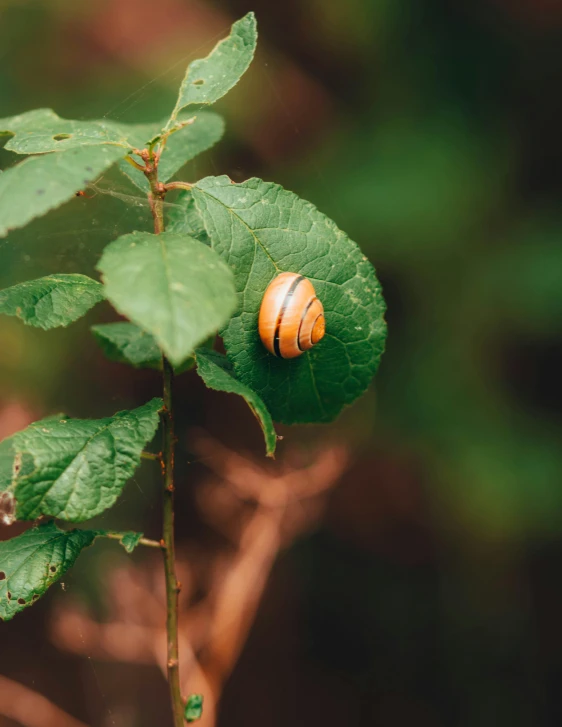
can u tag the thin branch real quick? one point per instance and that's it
(143, 541)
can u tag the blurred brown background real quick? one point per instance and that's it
(401, 566)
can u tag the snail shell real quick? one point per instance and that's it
(291, 318)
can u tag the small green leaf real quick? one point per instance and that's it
(127, 343)
(217, 373)
(261, 230)
(52, 301)
(208, 79)
(42, 183)
(41, 130)
(184, 218)
(183, 145)
(130, 540)
(171, 286)
(33, 561)
(193, 707)
(73, 469)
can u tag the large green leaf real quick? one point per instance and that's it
(41, 183)
(33, 561)
(74, 469)
(184, 218)
(41, 130)
(200, 133)
(172, 286)
(217, 373)
(55, 300)
(261, 230)
(125, 342)
(208, 79)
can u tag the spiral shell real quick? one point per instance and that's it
(291, 318)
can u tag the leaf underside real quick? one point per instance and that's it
(33, 561)
(217, 373)
(42, 183)
(52, 301)
(170, 285)
(125, 342)
(261, 230)
(74, 469)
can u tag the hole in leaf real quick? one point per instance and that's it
(21, 601)
(198, 82)
(7, 508)
(35, 596)
(2, 576)
(61, 137)
(9, 596)
(53, 569)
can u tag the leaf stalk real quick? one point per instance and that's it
(147, 542)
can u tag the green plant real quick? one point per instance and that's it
(203, 271)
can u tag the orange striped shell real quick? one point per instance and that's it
(291, 318)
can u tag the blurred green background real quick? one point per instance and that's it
(429, 130)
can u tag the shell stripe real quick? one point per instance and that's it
(310, 302)
(286, 301)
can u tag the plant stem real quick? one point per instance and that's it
(157, 193)
(156, 199)
(172, 584)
